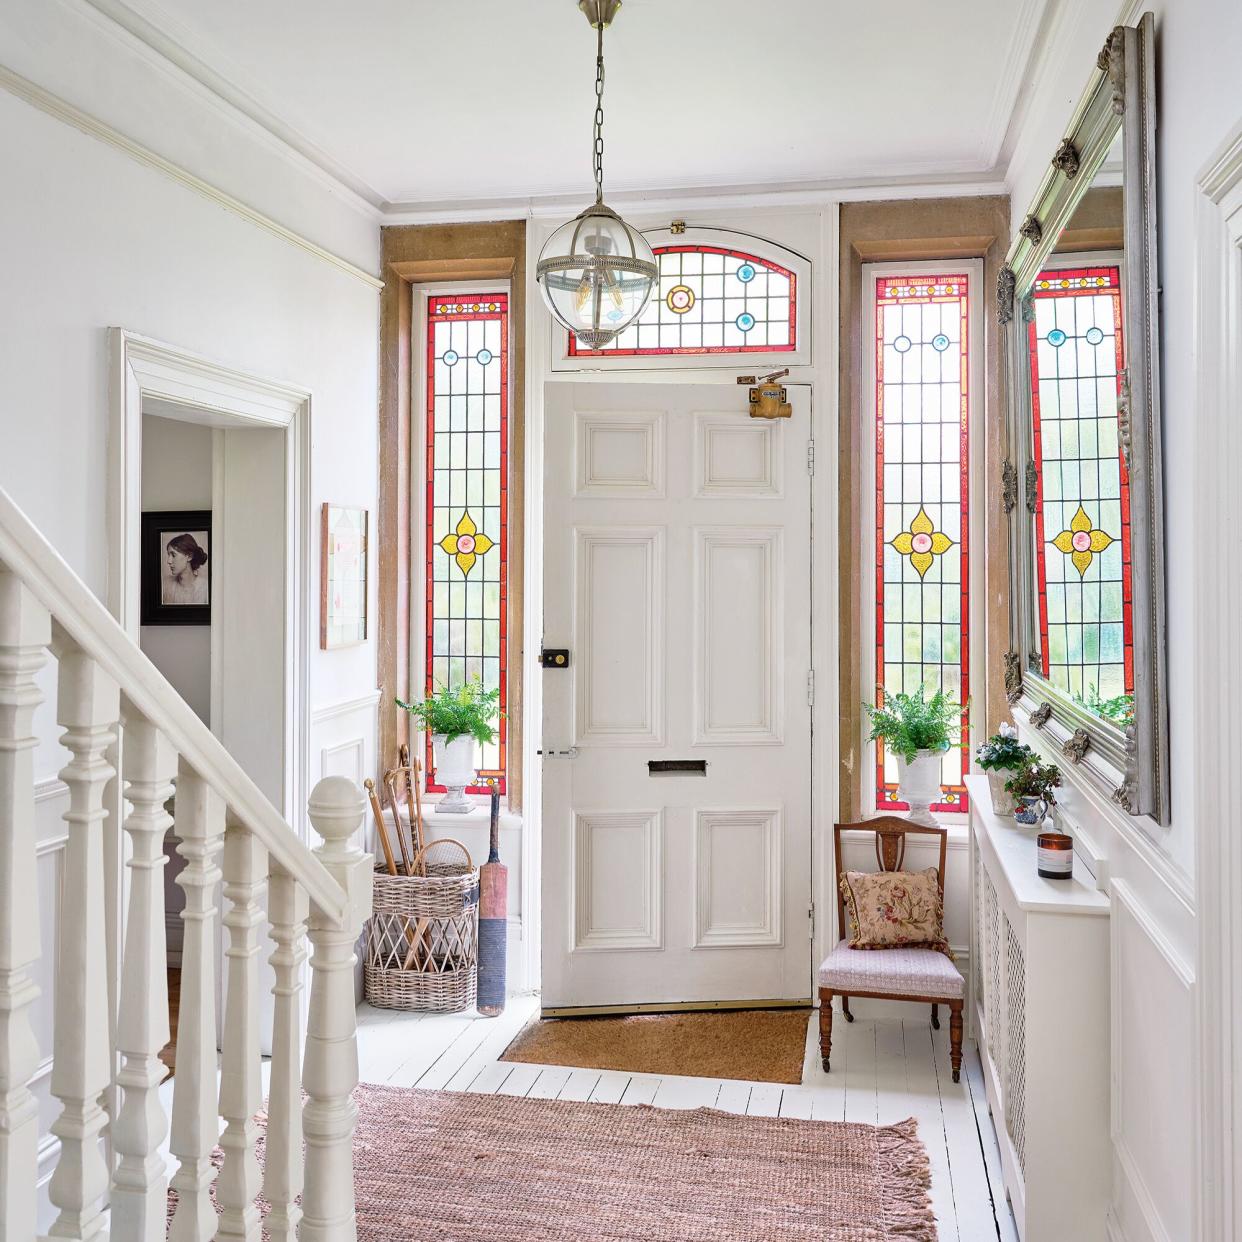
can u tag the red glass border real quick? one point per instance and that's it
(576, 351)
(897, 290)
(1110, 275)
(443, 308)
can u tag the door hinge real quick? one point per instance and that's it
(810, 457)
(810, 914)
(810, 687)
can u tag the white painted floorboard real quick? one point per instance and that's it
(883, 1070)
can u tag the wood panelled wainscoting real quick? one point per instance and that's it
(418, 255)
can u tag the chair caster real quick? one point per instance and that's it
(824, 1062)
(849, 1017)
(935, 1024)
(957, 1075)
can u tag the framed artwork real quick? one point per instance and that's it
(343, 577)
(176, 567)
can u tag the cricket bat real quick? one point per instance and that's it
(493, 922)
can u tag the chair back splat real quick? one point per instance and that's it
(890, 832)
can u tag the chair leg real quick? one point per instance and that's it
(935, 1017)
(955, 1039)
(825, 1027)
(845, 1008)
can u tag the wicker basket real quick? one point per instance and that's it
(422, 940)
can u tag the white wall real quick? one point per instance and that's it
(176, 474)
(1151, 869)
(97, 238)
(102, 240)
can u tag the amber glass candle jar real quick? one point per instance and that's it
(1055, 855)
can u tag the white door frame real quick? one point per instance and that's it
(1217, 505)
(150, 376)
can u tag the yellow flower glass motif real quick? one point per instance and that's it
(1082, 541)
(922, 543)
(466, 544)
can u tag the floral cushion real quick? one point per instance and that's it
(891, 909)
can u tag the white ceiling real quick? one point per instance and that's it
(415, 102)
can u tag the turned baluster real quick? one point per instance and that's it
(331, 1067)
(195, 1128)
(25, 631)
(88, 707)
(282, 1170)
(140, 1182)
(241, 1090)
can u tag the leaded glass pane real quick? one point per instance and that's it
(922, 507)
(710, 300)
(1082, 510)
(467, 494)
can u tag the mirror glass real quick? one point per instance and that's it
(1074, 319)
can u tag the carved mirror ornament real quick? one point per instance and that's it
(1076, 744)
(1009, 485)
(1066, 160)
(1087, 577)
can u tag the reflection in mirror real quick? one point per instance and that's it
(1081, 494)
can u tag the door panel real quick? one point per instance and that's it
(677, 561)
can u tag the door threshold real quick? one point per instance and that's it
(594, 1011)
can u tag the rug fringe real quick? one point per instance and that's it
(906, 1172)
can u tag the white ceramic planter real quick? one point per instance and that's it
(456, 767)
(1002, 799)
(918, 784)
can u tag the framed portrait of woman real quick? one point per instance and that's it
(176, 568)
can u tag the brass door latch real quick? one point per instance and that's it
(768, 399)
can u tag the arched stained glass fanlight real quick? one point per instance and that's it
(597, 273)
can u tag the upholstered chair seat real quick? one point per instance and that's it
(907, 971)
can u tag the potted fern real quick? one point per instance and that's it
(1000, 757)
(918, 730)
(459, 721)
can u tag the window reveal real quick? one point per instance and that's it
(922, 530)
(467, 476)
(1082, 509)
(710, 300)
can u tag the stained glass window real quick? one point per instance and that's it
(710, 300)
(922, 530)
(1082, 512)
(467, 456)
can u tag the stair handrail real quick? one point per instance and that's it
(82, 616)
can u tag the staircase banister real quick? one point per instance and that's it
(84, 619)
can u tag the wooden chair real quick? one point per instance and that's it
(922, 975)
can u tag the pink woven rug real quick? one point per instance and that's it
(438, 1166)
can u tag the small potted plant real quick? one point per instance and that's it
(1000, 757)
(918, 730)
(1033, 787)
(459, 721)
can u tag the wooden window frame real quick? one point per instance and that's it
(413, 256)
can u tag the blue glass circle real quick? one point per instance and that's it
(746, 273)
(483, 357)
(902, 343)
(451, 357)
(1094, 336)
(745, 321)
(1056, 338)
(940, 342)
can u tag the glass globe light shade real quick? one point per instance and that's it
(597, 275)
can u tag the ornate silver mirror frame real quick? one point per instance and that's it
(1130, 763)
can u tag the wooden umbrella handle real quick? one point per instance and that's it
(391, 786)
(381, 831)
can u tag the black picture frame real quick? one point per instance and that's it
(158, 527)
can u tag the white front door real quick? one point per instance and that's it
(677, 575)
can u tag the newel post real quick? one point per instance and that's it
(330, 1071)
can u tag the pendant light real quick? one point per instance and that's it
(596, 273)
